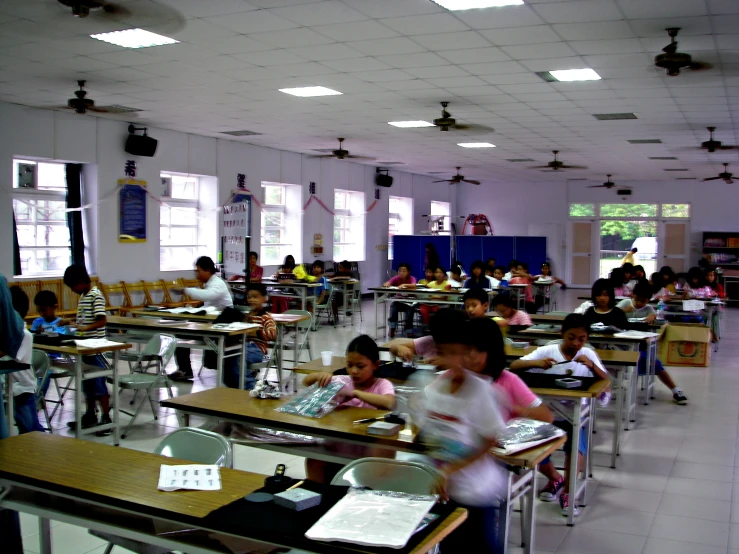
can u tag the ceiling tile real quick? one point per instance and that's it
(597, 47)
(384, 75)
(324, 52)
(320, 13)
(368, 29)
(598, 30)
(387, 47)
(291, 38)
(125, 57)
(409, 84)
(452, 41)
(457, 82)
(236, 44)
(646, 9)
(425, 24)
(727, 24)
(656, 27)
(538, 51)
(305, 69)
(252, 22)
(273, 57)
(423, 59)
(582, 11)
(549, 64)
(475, 55)
(197, 8)
(722, 7)
(437, 71)
(393, 8)
(521, 35)
(357, 64)
(500, 18)
(495, 68)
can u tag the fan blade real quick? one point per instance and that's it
(323, 156)
(713, 179)
(475, 127)
(700, 66)
(597, 187)
(573, 166)
(726, 147)
(729, 181)
(539, 167)
(471, 181)
(360, 157)
(444, 181)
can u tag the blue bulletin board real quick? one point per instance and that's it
(132, 211)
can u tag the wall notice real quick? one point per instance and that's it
(132, 214)
(235, 231)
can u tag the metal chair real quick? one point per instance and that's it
(42, 368)
(325, 310)
(62, 368)
(389, 475)
(157, 352)
(196, 445)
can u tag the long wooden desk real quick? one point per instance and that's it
(236, 406)
(115, 491)
(202, 334)
(84, 372)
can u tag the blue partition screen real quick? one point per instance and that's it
(532, 250)
(411, 249)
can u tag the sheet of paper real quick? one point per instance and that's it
(634, 334)
(95, 343)
(693, 305)
(195, 477)
(235, 326)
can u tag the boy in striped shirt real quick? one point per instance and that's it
(91, 320)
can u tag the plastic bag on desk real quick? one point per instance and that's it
(521, 430)
(263, 389)
(314, 401)
(270, 436)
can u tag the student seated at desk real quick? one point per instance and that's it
(475, 303)
(638, 307)
(361, 390)
(91, 320)
(24, 382)
(460, 416)
(511, 317)
(428, 276)
(343, 273)
(290, 267)
(455, 276)
(713, 284)
(669, 278)
(499, 279)
(575, 333)
(512, 270)
(604, 309)
(256, 348)
(46, 304)
(619, 281)
(478, 279)
(216, 294)
(629, 280)
(255, 272)
(425, 347)
(439, 283)
(657, 287)
(403, 280)
(696, 285)
(322, 291)
(522, 277)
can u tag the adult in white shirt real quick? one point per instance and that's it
(215, 293)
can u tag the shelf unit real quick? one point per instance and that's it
(722, 250)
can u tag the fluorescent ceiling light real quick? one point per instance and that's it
(307, 92)
(586, 74)
(410, 124)
(473, 4)
(134, 38)
(475, 145)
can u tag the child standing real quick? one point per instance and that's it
(575, 333)
(91, 320)
(361, 390)
(403, 280)
(638, 307)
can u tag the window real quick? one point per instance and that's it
(400, 220)
(348, 226)
(582, 210)
(628, 210)
(185, 227)
(39, 201)
(676, 210)
(441, 209)
(280, 223)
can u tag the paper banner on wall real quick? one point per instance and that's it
(132, 210)
(235, 231)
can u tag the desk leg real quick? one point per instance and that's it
(116, 412)
(618, 417)
(10, 406)
(44, 535)
(78, 395)
(377, 323)
(531, 514)
(244, 365)
(649, 374)
(219, 360)
(278, 349)
(574, 459)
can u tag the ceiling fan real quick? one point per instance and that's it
(608, 184)
(340, 153)
(556, 165)
(81, 104)
(712, 145)
(458, 179)
(725, 175)
(446, 122)
(144, 14)
(673, 61)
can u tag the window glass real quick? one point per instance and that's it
(628, 210)
(675, 210)
(582, 210)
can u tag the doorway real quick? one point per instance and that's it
(619, 236)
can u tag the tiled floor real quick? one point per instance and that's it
(671, 494)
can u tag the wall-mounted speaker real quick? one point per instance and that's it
(140, 145)
(382, 179)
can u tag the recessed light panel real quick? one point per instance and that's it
(614, 116)
(455, 5)
(134, 38)
(410, 124)
(567, 75)
(475, 145)
(307, 92)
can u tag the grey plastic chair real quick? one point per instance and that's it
(42, 368)
(196, 445)
(325, 309)
(157, 352)
(389, 475)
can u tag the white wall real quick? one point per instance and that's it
(34, 133)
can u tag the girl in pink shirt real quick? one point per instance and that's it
(506, 308)
(361, 390)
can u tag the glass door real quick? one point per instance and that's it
(674, 245)
(624, 227)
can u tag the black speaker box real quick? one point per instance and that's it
(139, 145)
(382, 180)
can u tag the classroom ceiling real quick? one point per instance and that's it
(396, 60)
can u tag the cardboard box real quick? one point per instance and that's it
(685, 344)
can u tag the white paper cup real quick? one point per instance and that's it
(326, 357)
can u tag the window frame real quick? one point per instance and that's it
(173, 203)
(400, 220)
(290, 232)
(357, 232)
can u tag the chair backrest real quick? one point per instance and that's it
(161, 345)
(136, 294)
(190, 283)
(156, 291)
(198, 446)
(114, 294)
(303, 325)
(41, 367)
(169, 294)
(388, 475)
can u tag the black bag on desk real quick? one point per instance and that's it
(228, 315)
(547, 381)
(388, 370)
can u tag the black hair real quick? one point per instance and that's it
(513, 264)
(603, 285)
(643, 290)
(206, 264)
(476, 294)
(259, 287)
(627, 267)
(45, 299)
(456, 269)
(714, 285)
(490, 261)
(484, 335)
(639, 268)
(524, 265)
(477, 263)
(483, 278)
(504, 300)
(75, 275)
(429, 268)
(657, 282)
(432, 256)
(441, 267)
(20, 300)
(346, 264)
(635, 250)
(575, 321)
(499, 268)
(667, 270)
(617, 277)
(365, 346)
(447, 326)
(253, 253)
(696, 273)
(318, 263)
(405, 265)
(289, 262)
